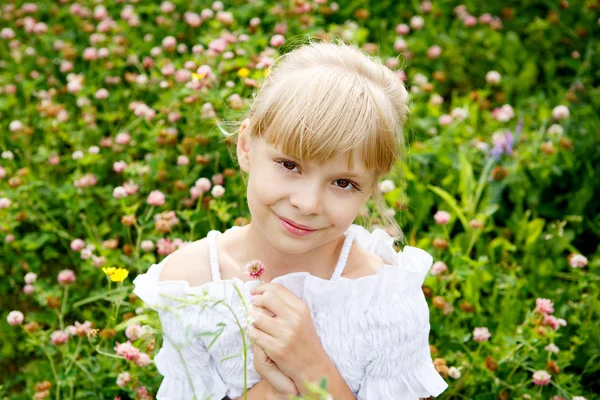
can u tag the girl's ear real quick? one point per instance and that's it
(243, 146)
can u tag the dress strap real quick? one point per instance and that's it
(341, 264)
(212, 251)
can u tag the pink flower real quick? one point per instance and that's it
(439, 267)
(98, 261)
(169, 43)
(30, 278)
(77, 244)
(434, 52)
(90, 54)
(280, 28)
(541, 378)
(82, 330)
(122, 138)
(167, 7)
(217, 191)
(123, 378)
(28, 289)
(127, 350)
(183, 75)
(254, 269)
(192, 19)
(142, 393)
(481, 334)
(277, 40)
(493, 77)
(66, 277)
(4, 202)
(156, 198)
(578, 261)
(400, 45)
(553, 322)
(195, 192)
(402, 29)
(544, 306)
(560, 112)
(15, 126)
(59, 337)
(15, 318)
(217, 45)
(134, 332)
(183, 160)
(225, 17)
(503, 114)
(217, 179)
(442, 217)
(485, 18)
(102, 94)
(119, 166)
(130, 187)
(147, 245)
(445, 119)
(203, 184)
(143, 360)
(119, 192)
(7, 34)
(165, 246)
(470, 21)
(417, 22)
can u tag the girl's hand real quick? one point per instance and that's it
(288, 338)
(282, 385)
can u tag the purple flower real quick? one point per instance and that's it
(503, 143)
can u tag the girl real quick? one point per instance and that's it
(337, 302)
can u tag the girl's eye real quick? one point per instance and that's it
(344, 185)
(347, 186)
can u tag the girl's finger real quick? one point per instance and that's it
(261, 339)
(272, 302)
(264, 322)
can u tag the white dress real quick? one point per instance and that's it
(375, 328)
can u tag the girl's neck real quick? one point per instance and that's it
(251, 244)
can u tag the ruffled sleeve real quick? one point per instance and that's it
(188, 368)
(400, 365)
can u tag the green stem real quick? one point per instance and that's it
(63, 306)
(119, 302)
(53, 372)
(471, 243)
(70, 365)
(148, 214)
(245, 351)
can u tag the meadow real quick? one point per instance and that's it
(111, 158)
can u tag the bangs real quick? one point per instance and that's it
(321, 112)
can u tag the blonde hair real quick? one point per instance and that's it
(325, 99)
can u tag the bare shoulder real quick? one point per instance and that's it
(361, 263)
(190, 263)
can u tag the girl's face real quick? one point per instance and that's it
(324, 198)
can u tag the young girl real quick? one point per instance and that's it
(337, 302)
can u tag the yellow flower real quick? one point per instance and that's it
(108, 271)
(267, 72)
(243, 72)
(198, 77)
(119, 275)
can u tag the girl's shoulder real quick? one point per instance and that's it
(190, 263)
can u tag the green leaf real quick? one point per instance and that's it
(534, 230)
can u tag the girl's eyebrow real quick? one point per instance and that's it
(348, 174)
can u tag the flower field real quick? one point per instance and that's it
(112, 156)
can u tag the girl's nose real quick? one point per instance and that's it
(309, 200)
